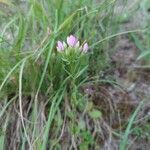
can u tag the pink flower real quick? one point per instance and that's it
(60, 46)
(85, 48)
(72, 41)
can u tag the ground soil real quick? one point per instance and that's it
(118, 102)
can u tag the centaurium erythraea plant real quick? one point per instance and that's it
(73, 56)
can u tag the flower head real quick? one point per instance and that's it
(85, 48)
(72, 41)
(60, 46)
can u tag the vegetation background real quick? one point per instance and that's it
(103, 103)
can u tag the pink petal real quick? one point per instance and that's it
(85, 47)
(60, 46)
(72, 41)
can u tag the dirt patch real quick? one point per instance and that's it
(118, 101)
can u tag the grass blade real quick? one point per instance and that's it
(124, 141)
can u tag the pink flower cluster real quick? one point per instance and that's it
(72, 42)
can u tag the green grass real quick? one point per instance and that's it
(142, 40)
(40, 89)
(124, 141)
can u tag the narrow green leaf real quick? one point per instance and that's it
(95, 114)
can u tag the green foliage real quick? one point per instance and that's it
(95, 114)
(142, 41)
(124, 140)
(142, 131)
